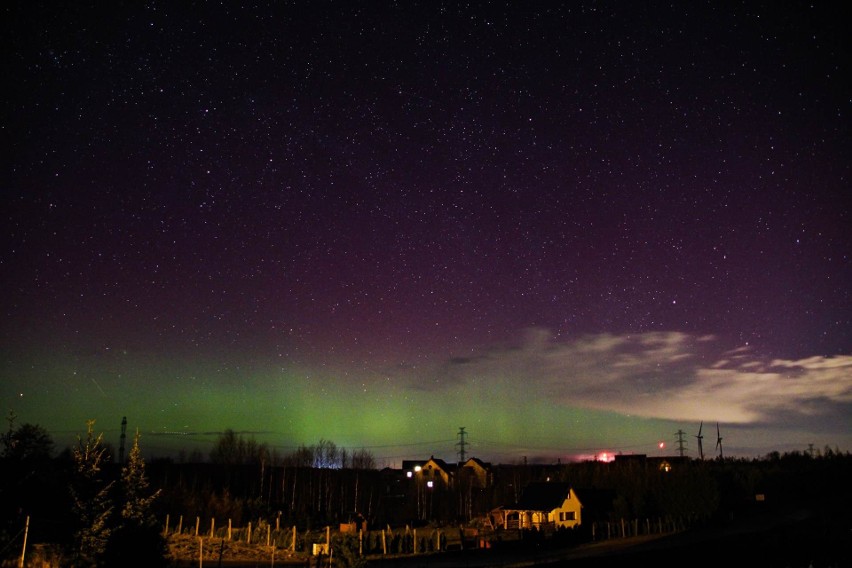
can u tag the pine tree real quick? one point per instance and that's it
(136, 497)
(136, 539)
(90, 494)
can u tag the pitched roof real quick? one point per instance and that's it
(543, 496)
(478, 462)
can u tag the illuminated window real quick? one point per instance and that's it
(430, 484)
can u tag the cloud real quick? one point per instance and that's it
(665, 375)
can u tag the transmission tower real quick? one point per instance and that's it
(461, 443)
(123, 438)
(680, 442)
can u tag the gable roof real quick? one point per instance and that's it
(478, 462)
(543, 496)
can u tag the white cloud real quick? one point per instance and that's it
(674, 376)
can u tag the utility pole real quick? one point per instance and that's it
(680, 442)
(461, 443)
(123, 438)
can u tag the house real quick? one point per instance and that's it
(430, 472)
(476, 471)
(544, 505)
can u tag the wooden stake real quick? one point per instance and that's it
(24, 549)
(229, 530)
(180, 525)
(166, 528)
(197, 522)
(200, 552)
(248, 537)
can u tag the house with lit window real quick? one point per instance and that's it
(544, 505)
(430, 472)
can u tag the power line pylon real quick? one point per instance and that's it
(123, 438)
(461, 443)
(680, 442)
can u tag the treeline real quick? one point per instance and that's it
(319, 485)
(243, 480)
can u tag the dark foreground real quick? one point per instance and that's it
(797, 540)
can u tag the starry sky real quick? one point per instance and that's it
(568, 227)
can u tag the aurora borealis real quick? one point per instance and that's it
(568, 228)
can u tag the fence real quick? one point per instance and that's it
(624, 528)
(349, 540)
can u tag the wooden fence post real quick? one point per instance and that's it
(197, 522)
(24, 549)
(180, 525)
(293, 543)
(248, 536)
(200, 552)
(268, 531)
(166, 528)
(212, 527)
(415, 541)
(229, 530)
(384, 543)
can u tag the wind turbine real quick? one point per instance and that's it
(700, 437)
(719, 442)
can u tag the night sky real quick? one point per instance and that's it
(570, 228)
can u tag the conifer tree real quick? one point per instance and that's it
(136, 539)
(90, 494)
(137, 499)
